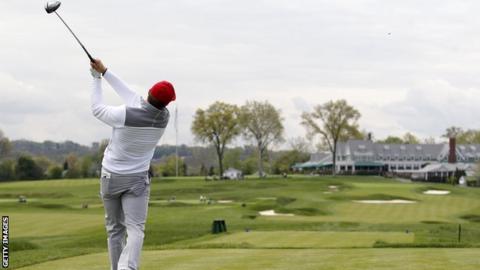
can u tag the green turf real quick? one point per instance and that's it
(52, 224)
(308, 239)
(285, 259)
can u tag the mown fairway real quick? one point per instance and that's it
(328, 230)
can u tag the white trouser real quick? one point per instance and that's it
(125, 199)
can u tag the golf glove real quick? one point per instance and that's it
(95, 74)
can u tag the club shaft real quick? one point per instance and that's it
(78, 40)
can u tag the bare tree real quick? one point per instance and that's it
(429, 140)
(300, 144)
(5, 145)
(452, 132)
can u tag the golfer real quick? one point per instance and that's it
(137, 127)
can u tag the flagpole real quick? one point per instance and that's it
(176, 140)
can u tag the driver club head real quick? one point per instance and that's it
(52, 6)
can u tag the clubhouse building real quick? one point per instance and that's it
(428, 162)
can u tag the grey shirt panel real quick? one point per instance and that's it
(146, 116)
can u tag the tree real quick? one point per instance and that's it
(263, 125)
(470, 136)
(218, 125)
(5, 145)
(429, 140)
(452, 132)
(169, 167)
(232, 158)
(55, 172)
(300, 144)
(333, 121)
(7, 169)
(43, 163)
(391, 140)
(87, 167)
(476, 174)
(211, 171)
(73, 167)
(184, 168)
(409, 138)
(27, 169)
(284, 163)
(249, 164)
(203, 170)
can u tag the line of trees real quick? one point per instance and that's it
(258, 123)
(28, 167)
(221, 123)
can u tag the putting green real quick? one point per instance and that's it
(284, 259)
(299, 239)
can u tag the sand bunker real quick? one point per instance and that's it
(436, 192)
(386, 201)
(272, 213)
(331, 189)
(225, 201)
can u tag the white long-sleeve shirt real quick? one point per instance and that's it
(137, 126)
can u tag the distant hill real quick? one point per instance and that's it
(57, 151)
(53, 150)
(193, 156)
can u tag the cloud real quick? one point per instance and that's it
(434, 105)
(393, 61)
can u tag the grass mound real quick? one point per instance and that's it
(471, 218)
(21, 244)
(380, 197)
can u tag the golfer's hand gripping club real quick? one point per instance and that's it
(98, 66)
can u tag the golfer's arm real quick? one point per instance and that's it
(111, 115)
(129, 96)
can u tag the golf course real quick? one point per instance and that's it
(299, 222)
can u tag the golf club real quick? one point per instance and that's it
(52, 6)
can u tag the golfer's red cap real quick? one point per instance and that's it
(163, 92)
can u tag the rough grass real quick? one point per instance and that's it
(284, 259)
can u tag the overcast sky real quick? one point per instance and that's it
(405, 65)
